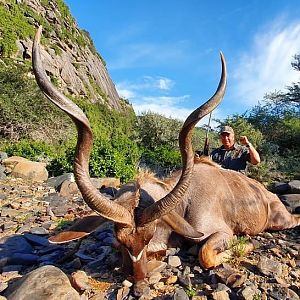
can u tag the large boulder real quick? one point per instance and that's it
(44, 283)
(12, 161)
(31, 170)
(21, 167)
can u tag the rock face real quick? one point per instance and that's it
(68, 54)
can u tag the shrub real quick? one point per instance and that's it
(33, 150)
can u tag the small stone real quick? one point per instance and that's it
(248, 292)
(185, 281)
(158, 285)
(269, 267)
(180, 294)
(174, 261)
(154, 265)
(127, 283)
(171, 280)
(141, 288)
(3, 286)
(122, 293)
(79, 281)
(155, 278)
(220, 295)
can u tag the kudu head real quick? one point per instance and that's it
(135, 222)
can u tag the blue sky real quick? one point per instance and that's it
(163, 55)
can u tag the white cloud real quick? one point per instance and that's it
(147, 83)
(141, 96)
(125, 93)
(267, 65)
(165, 84)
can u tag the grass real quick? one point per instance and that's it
(237, 247)
(190, 291)
(61, 223)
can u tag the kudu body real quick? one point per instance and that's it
(203, 202)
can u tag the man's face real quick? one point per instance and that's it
(227, 139)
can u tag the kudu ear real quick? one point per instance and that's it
(181, 226)
(82, 227)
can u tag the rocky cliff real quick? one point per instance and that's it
(70, 58)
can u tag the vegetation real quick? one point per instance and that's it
(190, 291)
(33, 128)
(20, 97)
(237, 246)
(62, 223)
(48, 135)
(158, 139)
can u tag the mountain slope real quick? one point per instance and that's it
(69, 55)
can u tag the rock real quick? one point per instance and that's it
(30, 170)
(154, 265)
(269, 267)
(68, 189)
(248, 292)
(220, 295)
(3, 286)
(39, 230)
(2, 172)
(127, 283)
(79, 281)
(154, 278)
(12, 161)
(3, 155)
(294, 186)
(141, 288)
(171, 280)
(122, 293)
(174, 261)
(185, 281)
(180, 294)
(59, 204)
(101, 183)
(291, 201)
(230, 276)
(283, 293)
(58, 180)
(281, 188)
(44, 283)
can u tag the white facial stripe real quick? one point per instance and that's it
(135, 259)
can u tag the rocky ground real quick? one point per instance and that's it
(91, 269)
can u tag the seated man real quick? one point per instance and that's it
(232, 155)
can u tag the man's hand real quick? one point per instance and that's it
(244, 140)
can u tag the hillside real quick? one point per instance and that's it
(70, 57)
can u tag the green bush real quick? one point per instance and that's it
(33, 150)
(163, 156)
(117, 158)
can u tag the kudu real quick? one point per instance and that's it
(202, 202)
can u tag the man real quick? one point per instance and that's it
(232, 155)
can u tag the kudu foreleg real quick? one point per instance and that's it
(215, 250)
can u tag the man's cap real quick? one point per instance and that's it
(227, 129)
